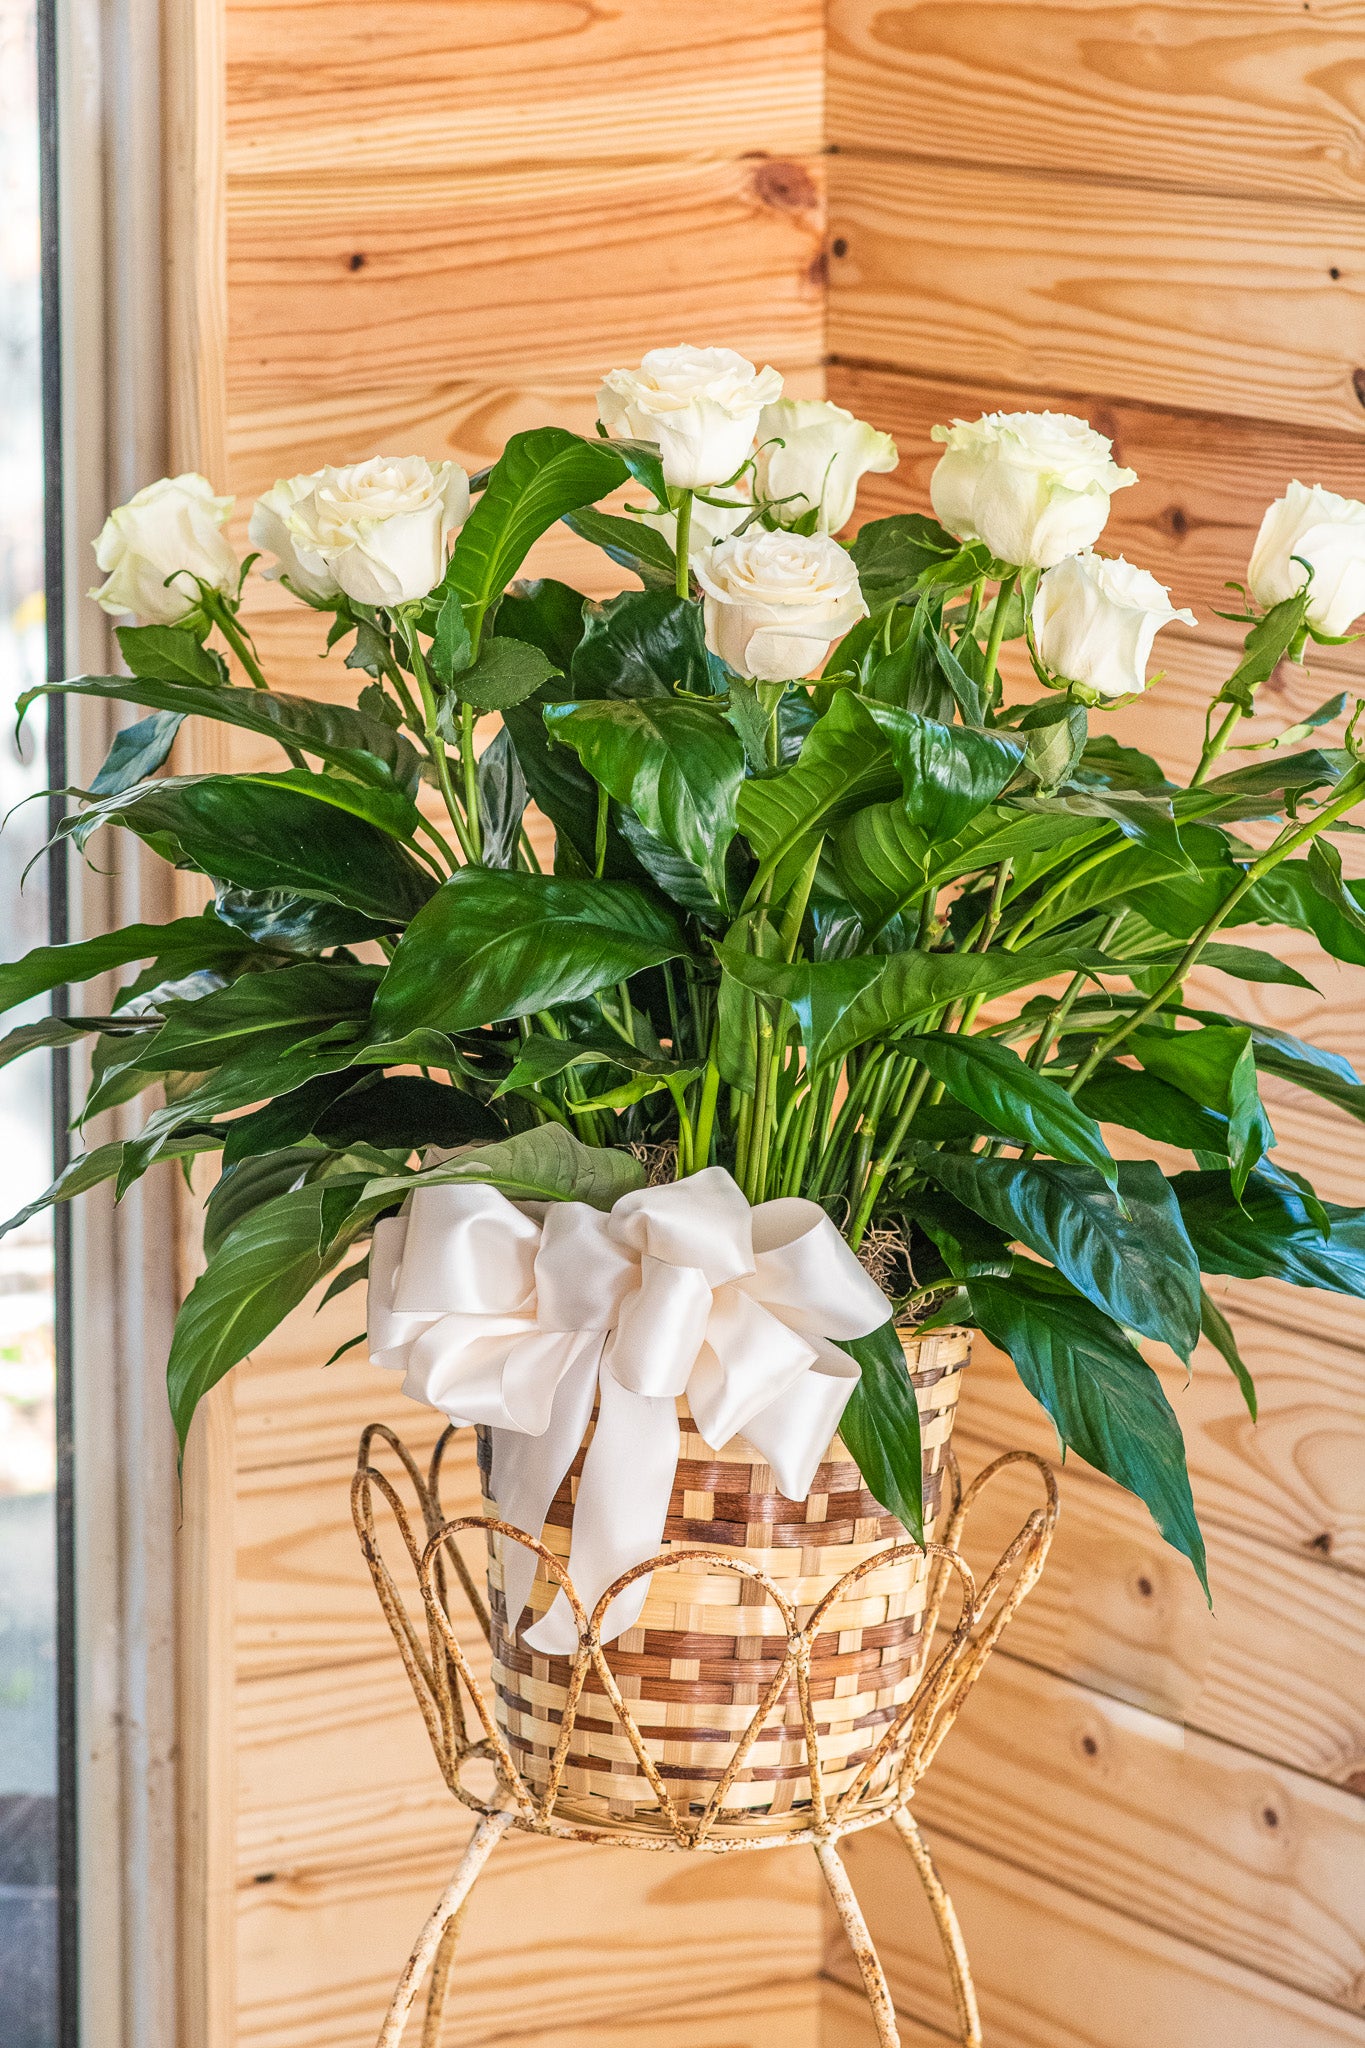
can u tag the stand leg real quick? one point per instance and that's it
(860, 1941)
(486, 1837)
(949, 1932)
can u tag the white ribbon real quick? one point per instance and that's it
(521, 1315)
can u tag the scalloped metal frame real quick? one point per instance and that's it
(463, 1728)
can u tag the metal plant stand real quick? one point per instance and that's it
(463, 1727)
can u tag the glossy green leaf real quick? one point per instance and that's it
(845, 763)
(45, 1033)
(502, 800)
(881, 1427)
(1323, 1073)
(261, 1016)
(248, 1184)
(257, 1275)
(991, 1079)
(1271, 1233)
(364, 746)
(1216, 1068)
(491, 945)
(90, 1169)
(641, 549)
(286, 923)
(893, 554)
(1140, 1101)
(677, 765)
(820, 993)
(949, 772)
(1105, 1400)
(1266, 645)
(451, 649)
(1139, 1267)
(1289, 895)
(274, 832)
(182, 945)
(641, 644)
(882, 862)
(1145, 817)
(1219, 1331)
(539, 477)
(911, 986)
(546, 614)
(547, 1164)
(138, 751)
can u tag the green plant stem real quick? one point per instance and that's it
(435, 744)
(706, 1108)
(528, 852)
(404, 696)
(1349, 792)
(469, 765)
(682, 575)
(1215, 746)
(885, 1159)
(221, 613)
(1014, 937)
(996, 635)
(600, 843)
(1052, 1030)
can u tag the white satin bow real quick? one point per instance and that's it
(520, 1315)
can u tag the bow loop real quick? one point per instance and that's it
(523, 1317)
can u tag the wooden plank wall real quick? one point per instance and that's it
(1152, 1818)
(418, 226)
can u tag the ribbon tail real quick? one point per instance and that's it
(619, 1514)
(527, 1470)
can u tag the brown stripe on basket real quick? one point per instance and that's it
(709, 1641)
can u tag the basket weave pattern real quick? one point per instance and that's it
(711, 1641)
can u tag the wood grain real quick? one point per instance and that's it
(1055, 1970)
(1048, 284)
(1188, 1834)
(379, 87)
(1236, 96)
(1278, 1667)
(349, 285)
(556, 1934)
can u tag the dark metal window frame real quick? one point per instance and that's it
(68, 1876)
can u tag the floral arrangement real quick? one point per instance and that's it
(831, 919)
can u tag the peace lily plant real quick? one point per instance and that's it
(829, 909)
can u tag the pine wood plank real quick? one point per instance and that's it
(845, 2021)
(557, 1935)
(349, 285)
(1191, 518)
(312, 83)
(1188, 1834)
(1278, 1667)
(1054, 1970)
(1047, 284)
(752, 2016)
(1247, 96)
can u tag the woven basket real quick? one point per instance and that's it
(694, 1668)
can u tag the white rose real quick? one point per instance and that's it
(1094, 621)
(1034, 486)
(824, 452)
(172, 528)
(776, 602)
(381, 528)
(1321, 529)
(700, 404)
(269, 532)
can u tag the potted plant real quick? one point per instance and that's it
(682, 1167)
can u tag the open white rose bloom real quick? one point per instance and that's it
(1094, 621)
(775, 602)
(1310, 531)
(158, 548)
(378, 530)
(1034, 486)
(701, 405)
(811, 458)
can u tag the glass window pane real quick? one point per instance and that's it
(28, 1690)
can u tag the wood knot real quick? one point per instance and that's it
(1358, 384)
(785, 185)
(356, 262)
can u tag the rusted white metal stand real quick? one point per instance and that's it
(447, 1690)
